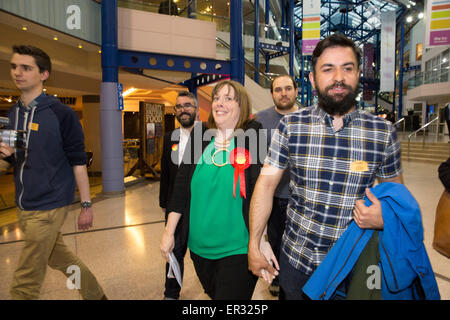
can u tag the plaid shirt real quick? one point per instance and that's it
(329, 172)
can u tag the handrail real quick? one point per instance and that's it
(422, 128)
(399, 121)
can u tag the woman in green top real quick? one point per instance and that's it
(214, 191)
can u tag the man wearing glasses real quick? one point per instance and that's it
(173, 149)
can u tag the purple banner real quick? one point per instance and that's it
(439, 38)
(308, 46)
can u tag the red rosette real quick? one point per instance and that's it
(240, 159)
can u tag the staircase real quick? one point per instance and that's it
(432, 152)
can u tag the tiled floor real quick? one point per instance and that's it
(122, 249)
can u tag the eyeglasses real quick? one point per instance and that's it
(178, 107)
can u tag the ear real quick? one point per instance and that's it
(311, 79)
(44, 75)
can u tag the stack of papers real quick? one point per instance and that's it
(174, 269)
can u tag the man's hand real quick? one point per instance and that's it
(260, 266)
(85, 218)
(368, 217)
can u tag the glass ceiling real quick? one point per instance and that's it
(362, 18)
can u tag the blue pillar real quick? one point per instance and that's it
(377, 65)
(291, 38)
(283, 19)
(256, 38)
(303, 80)
(400, 80)
(267, 16)
(236, 47)
(110, 115)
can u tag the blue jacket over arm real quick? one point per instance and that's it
(406, 271)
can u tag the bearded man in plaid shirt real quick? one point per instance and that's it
(335, 152)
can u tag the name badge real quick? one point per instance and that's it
(34, 126)
(359, 166)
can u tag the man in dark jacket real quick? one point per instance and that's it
(173, 150)
(46, 172)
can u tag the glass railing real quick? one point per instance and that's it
(212, 10)
(428, 77)
(150, 6)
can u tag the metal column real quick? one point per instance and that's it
(400, 77)
(291, 38)
(110, 115)
(236, 47)
(267, 17)
(256, 41)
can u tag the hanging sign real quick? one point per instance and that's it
(438, 23)
(310, 26)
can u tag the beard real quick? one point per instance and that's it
(287, 106)
(338, 104)
(186, 122)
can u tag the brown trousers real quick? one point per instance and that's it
(44, 246)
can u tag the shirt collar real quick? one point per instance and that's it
(33, 103)
(348, 118)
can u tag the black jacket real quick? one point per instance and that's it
(180, 201)
(169, 168)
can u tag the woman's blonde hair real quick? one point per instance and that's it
(242, 98)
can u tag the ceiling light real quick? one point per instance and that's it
(128, 92)
(420, 15)
(409, 19)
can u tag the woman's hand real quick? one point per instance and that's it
(167, 244)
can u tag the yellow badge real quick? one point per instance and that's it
(34, 126)
(359, 166)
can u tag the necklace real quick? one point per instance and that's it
(217, 152)
(222, 144)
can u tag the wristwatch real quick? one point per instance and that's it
(86, 204)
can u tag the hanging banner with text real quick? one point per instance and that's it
(387, 52)
(311, 26)
(437, 23)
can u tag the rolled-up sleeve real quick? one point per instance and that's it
(278, 154)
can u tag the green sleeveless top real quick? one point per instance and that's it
(216, 226)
